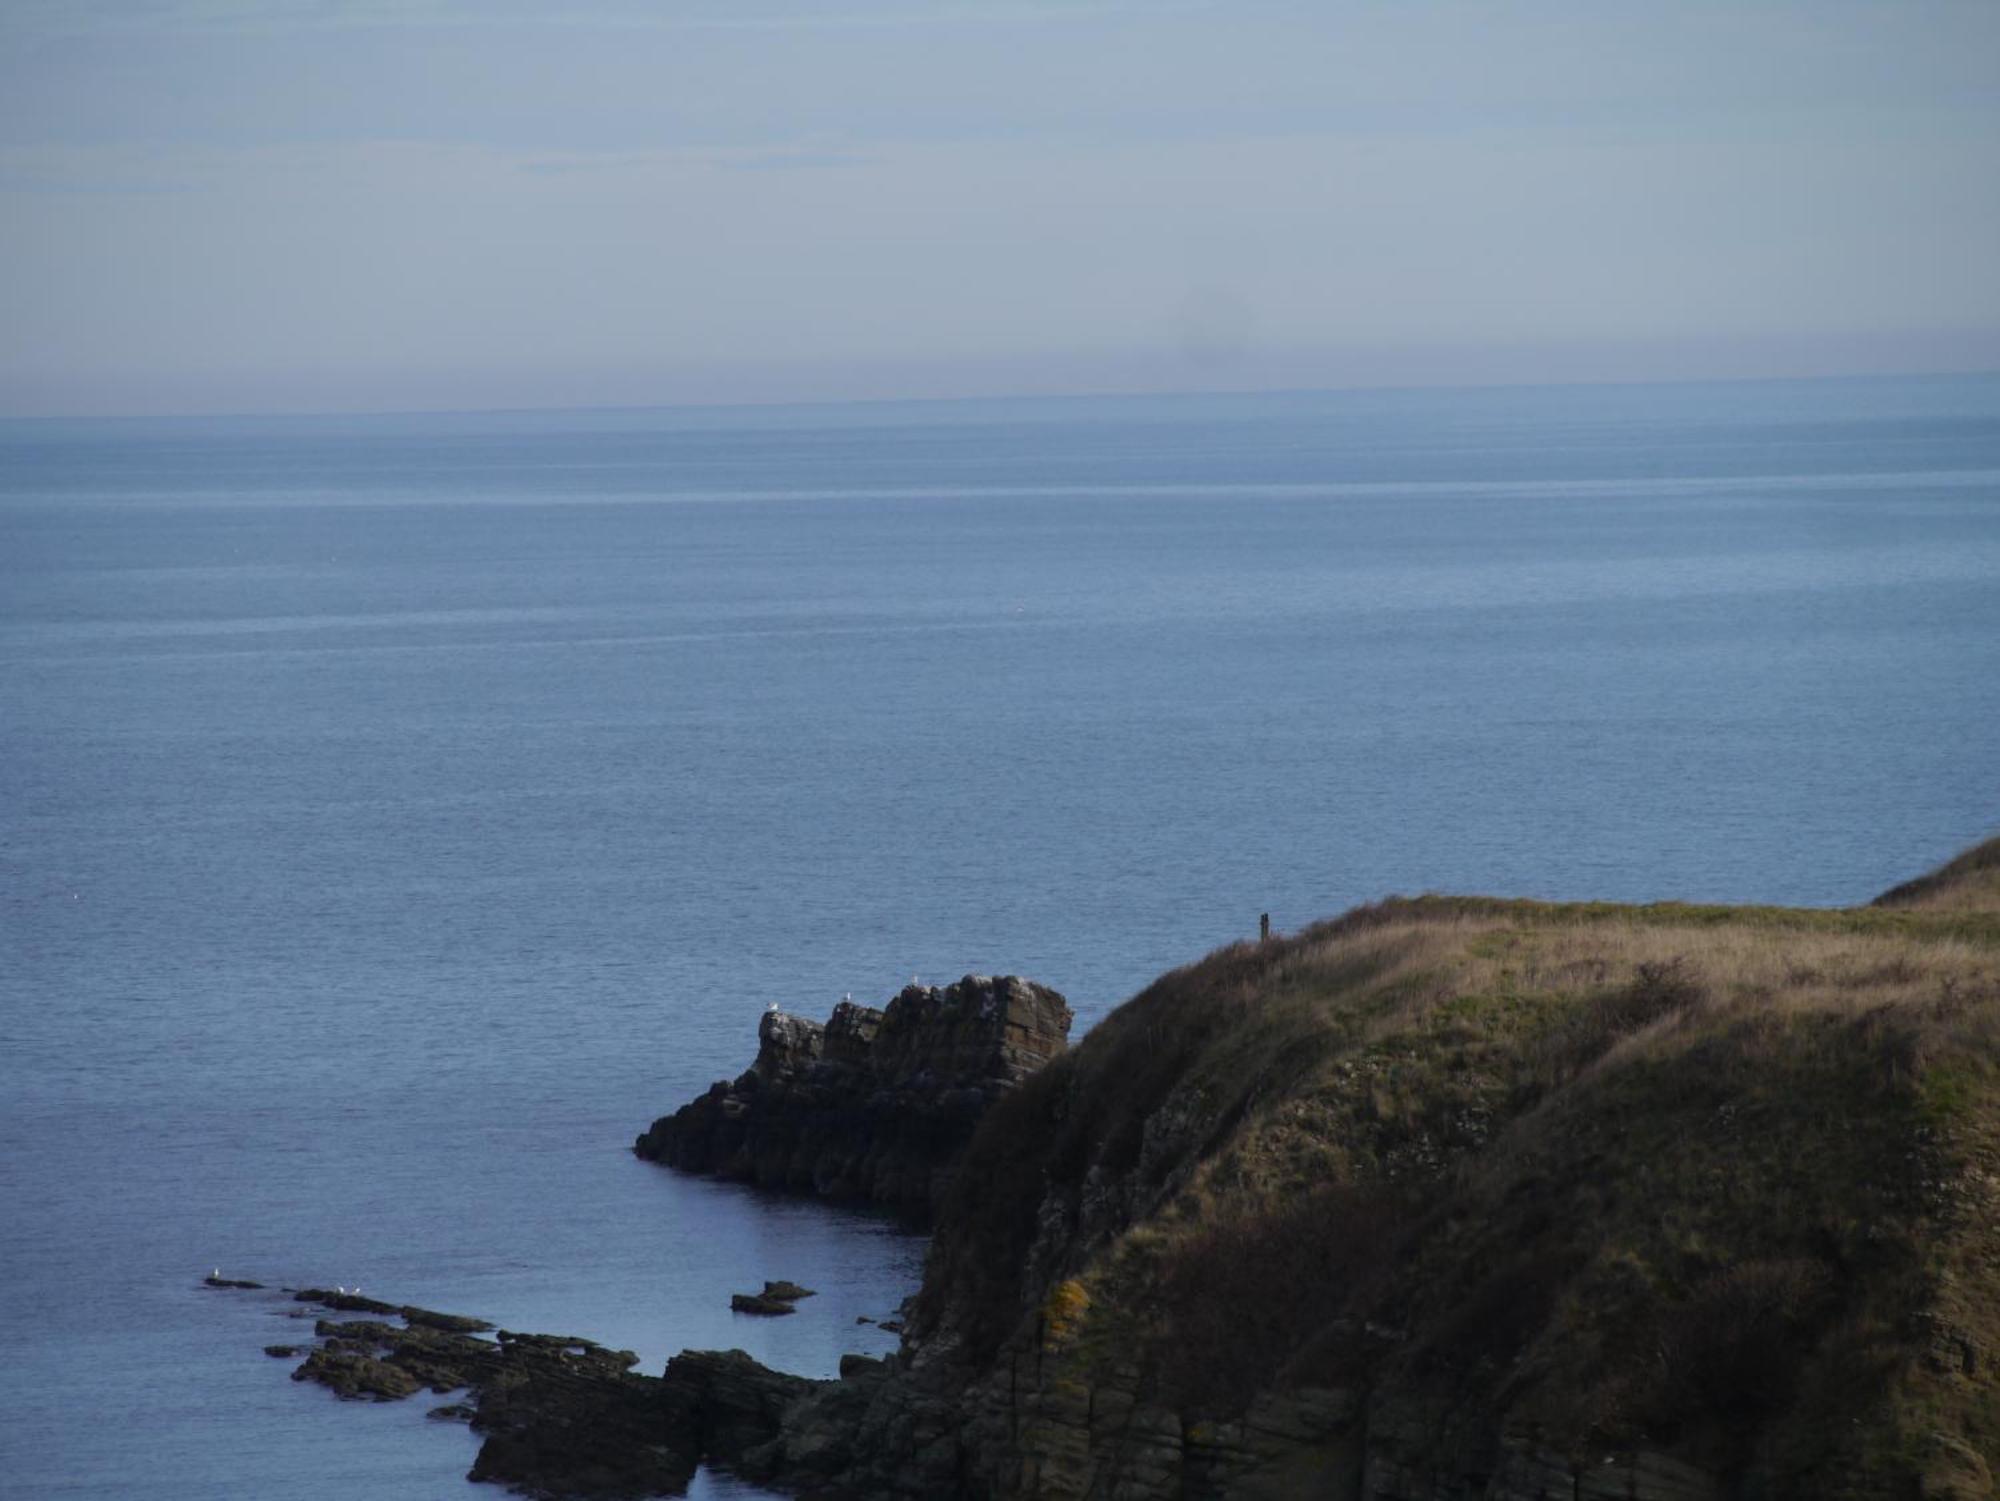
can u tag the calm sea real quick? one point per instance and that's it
(397, 814)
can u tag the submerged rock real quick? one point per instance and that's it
(871, 1105)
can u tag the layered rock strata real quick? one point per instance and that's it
(873, 1105)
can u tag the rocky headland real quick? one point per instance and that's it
(1448, 1198)
(872, 1105)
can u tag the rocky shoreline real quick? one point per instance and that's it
(562, 1417)
(873, 1104)
(1452, 1199)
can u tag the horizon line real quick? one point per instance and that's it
(335, 414)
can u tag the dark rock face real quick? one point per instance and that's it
(870, 1434)
(870, 1105)
(566, 1418)
(720, 1405)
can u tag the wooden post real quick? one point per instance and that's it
(1264, 928)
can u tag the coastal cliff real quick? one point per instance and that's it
(1448, 1199)
(874, 1105)
(1466, 1198)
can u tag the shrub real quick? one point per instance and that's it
(1732, 1350)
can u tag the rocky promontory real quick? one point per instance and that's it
(1465, 1199)
(1447, 1199)
(872, 1105)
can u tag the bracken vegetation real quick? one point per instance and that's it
(1719, 1182)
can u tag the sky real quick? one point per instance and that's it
(378, 205)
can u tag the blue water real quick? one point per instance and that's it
(397, 814)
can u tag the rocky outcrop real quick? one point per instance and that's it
(776, 1300)
(723, 1407)
(561, 1417)
(873, 1105)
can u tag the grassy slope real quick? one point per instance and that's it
(1719, 1181)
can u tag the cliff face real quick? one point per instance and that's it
(1458, 1198)
(872, 1104)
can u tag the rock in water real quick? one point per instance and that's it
(345, 1302)
(871, 1105)
(776, 1298)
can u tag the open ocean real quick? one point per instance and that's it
(397, 814)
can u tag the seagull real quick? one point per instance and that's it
(341, 1290)
(216, 1274)
(847, 998)
(770, 1008)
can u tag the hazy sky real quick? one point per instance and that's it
(221, 205)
